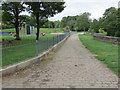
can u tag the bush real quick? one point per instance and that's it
(102, 31)
(117, 34)
(91, 30)
(5, 26)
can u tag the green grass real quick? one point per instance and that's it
(17, 54)
(49, 30)
(8, 30)
(108, 53)
(42, 30)
(27, 38)
(45, 30)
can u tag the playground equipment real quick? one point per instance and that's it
(26, 29)
(43, 34)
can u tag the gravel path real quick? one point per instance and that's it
(73, 66)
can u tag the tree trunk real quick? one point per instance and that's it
(38, 26)
(17, 28)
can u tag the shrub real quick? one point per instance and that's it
(91, 30)
(117, 34)
(102, 31)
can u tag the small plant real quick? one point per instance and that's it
(102, 31)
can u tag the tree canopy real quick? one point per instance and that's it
(11, 14)
(109, 22)
(39, 11)
(78, 22)
(43, 10)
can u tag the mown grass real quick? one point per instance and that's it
(45, 30)
(42, 30)
(106, 52)
(8, 30)
(23, 39)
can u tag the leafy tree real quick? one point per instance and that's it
(110, 21)
(57, 24)
(44, 9)
(94, 25)
(118, 24)
(11, 14)
(69, 21)
(63, 22)
(83, 21)
(25, 18)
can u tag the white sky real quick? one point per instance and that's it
(76, 7)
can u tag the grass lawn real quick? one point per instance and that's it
(108, 53)
(27, 38)
(8, 30)
(45, 30)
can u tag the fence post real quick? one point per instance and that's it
(57, 38)
(47, 43)
(60, 38)
(53, 40)
(36, 47)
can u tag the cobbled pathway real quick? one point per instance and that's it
(73, 66)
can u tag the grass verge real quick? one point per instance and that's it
(106, 52)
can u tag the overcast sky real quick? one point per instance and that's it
(76, 7)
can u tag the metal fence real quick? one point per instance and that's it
(16, 52)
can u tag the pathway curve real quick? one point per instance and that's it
(72, 67)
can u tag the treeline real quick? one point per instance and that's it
(108, 24)
(79, 22)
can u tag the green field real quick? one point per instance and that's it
(108, 53)
(45, 30)
(25, 39)
(8, 30)
(42, 30)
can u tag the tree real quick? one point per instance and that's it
(79, 22)
(25, 18)
(83, 21)
(118, 24)
(110, 21)
(69, 21)
(57, 24)
(63, 22)
(11, 14)
(44, 9)
(94, 26)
